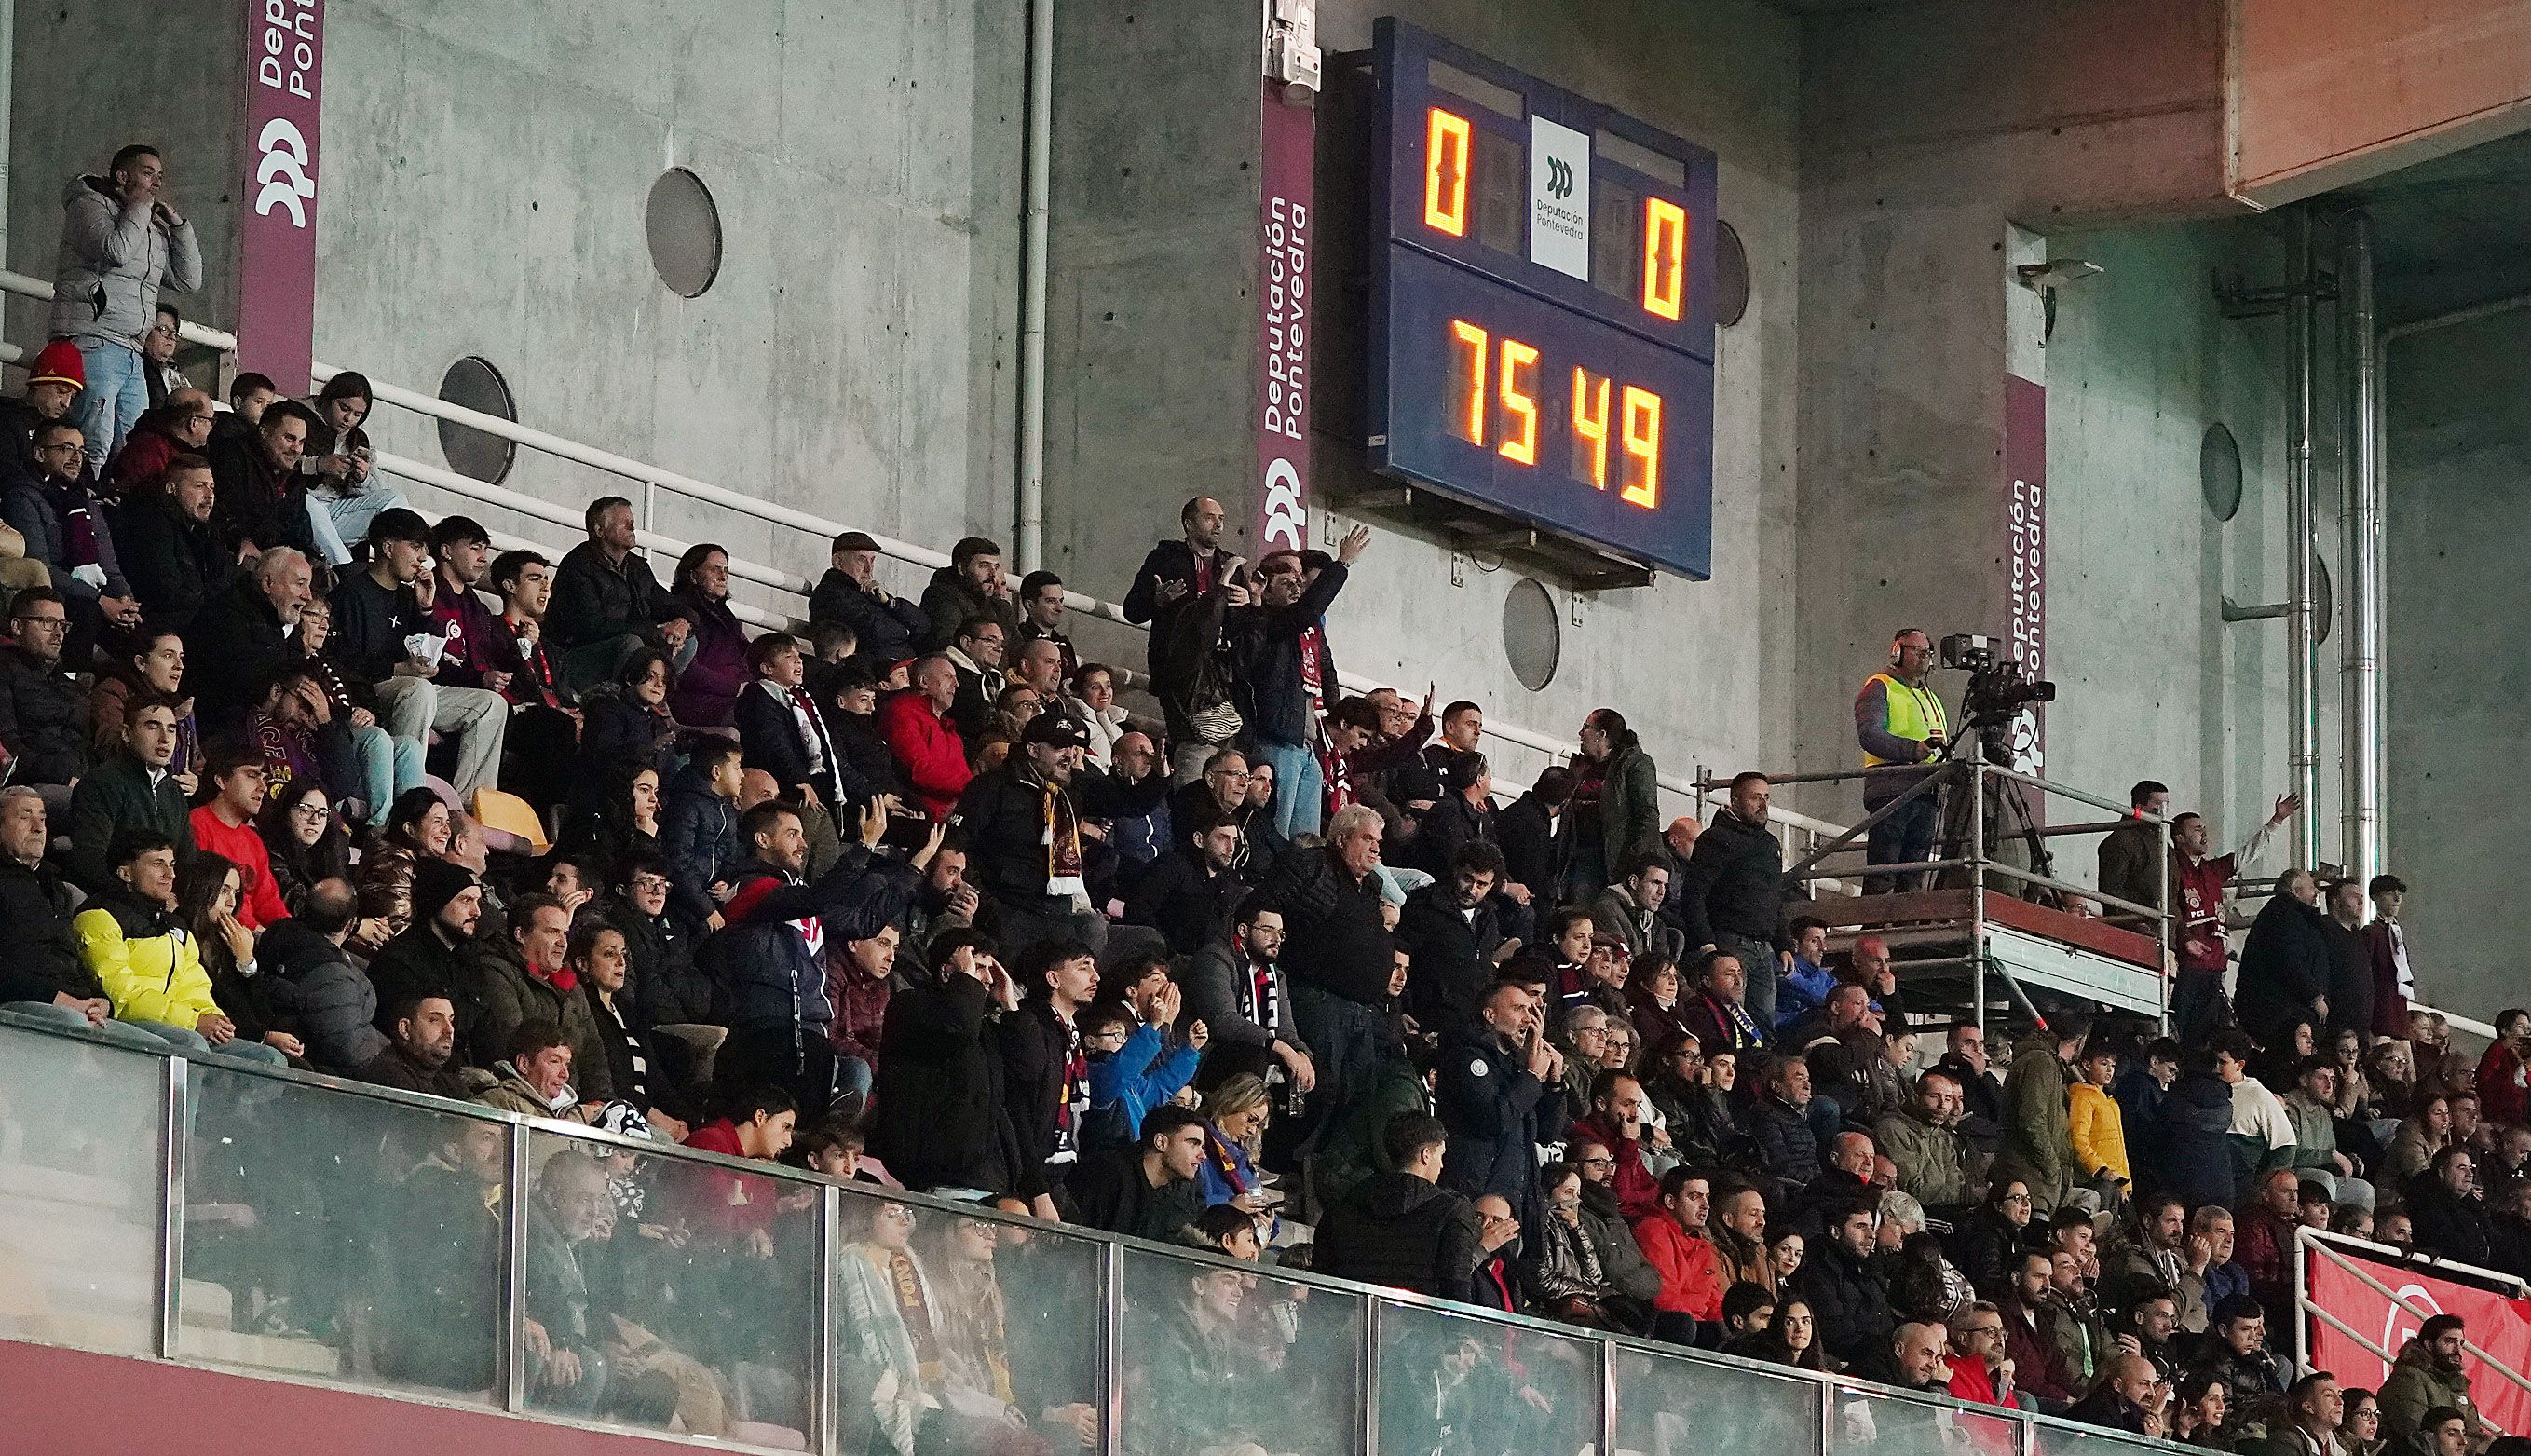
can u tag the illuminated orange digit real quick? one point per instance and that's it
(1470, 380)
(1591, 427)
(1665, 256)
(1445, 173)
(1520, 401)
(1642, 411)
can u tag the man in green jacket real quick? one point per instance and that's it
(1923, 1142)
(2429, 1373)
(524, 979)
(2036, 1147)
(135, 791)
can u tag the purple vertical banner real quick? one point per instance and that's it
(1289, 135)
(2025, 567)
(285, 51)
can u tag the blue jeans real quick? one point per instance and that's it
(117, 392)
(1300, 789)
(1904, 838)
(193, 1043)
(137, 1034)
(351, 514)
(389, 765)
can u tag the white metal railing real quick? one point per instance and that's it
(2312, 1243)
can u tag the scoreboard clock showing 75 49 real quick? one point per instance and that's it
(1543, 316)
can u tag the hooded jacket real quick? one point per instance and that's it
(1854, 1318)
(336, 1006)
(149, 964)
(1398, 1230)
(699, 837)
(115, 260)
(2417, 1384)
(1732, 884)
(1932, 1161)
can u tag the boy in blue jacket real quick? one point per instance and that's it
(1129, 1075)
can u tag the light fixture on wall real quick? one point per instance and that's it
(2049, 276)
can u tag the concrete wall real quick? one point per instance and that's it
(2459, 651)
(485, 170)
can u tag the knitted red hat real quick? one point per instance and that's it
(58, 362)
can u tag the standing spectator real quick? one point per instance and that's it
(1494, 1095)
(942, 1119)
(1731, 892)
(780, 728)
(606, 605)
(1291, 673)
(1451, 930)
(2095, 1131)
(709, 681)
(969, 588)
(1616, 809)
(225, 825)
(1527, 832)
(133, 793)
(43, 715)
(121, 245)
(659, 952)
(888, 628)
(1402, 1229)
(2203, 882)
(2037, 1146)
(1923, 1140)
(2129, 853)
(2350, 965)
(1174, 577)
(2385, 947)
(170, 551)
(2286, 963)
(926, 745)
(149, 964)
(1022, 828)
(1899, 721)
(2264, 1234)
(263, 499)
(383, 638)
(1340, 950)
(247, 632)
(1045, 1068)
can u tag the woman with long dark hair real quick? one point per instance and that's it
(207, 890)
(1791, 1338)
(420, 825)
(709, 686)
(1614, 814)
(625, 722)
(624, 822)
(154, 668)
(306, 840)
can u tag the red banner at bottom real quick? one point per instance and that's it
(2499, 1326)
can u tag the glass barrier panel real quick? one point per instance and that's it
(1677, 1405)
(1238, 1361)
(961, 1335)
(340, 1236)
(669, 1295)
(2062, 1440)
(1454, 1383)
(80, 1179)
(1895, 1426)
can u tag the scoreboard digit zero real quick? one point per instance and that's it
(1542, 334)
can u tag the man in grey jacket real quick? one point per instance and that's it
(121, 245)
(1234, 987)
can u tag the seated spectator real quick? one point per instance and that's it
(970, 587)
(2429, 1386)
(976, 652)
(1620, 1122)
(1980, 1371)
(1716, 1013)
(659, 950)
(334, 1009)
(1674, 1239)
(421, 1035)
(432, 953)
(171, 552)
(707, 683)
(925, 743)
(861, 982)
(420, 825)
(1236, 1114)
(383, 638)
(544, 718)
(54, 380)
(149, 966)
(1202, 1374)
(863, 764)
(606, 605)
(525, 977)
(1145, 1188)
(131, 792)
(943, 901)
(43, 715)
(588, 1358)
(1220, 795)
(1839, 1282)
(1091, 699)
(178, 420)
(1402, 1229)
(1236, 986)
(1923, 1142)
(224, 824)
(942, 1118)
(436, 1321)
(2124, 1399)
(67, 527)
(622, 821)
(2311, 1108)
(888, 628)
(368, 766)
(262, 494)
(247, 629)
(41, 966)
(1022, 828)
(624, 722)
(461, 553)
(304, 843)
(339, 464)
(698, 829)
(533, 1074)
(1780, 1121)
(781, 729)
(2028, 1315)
(2237, 1356)
(1132, 1069)
(155, 669)
(264, 1008)
(2445, 1210)
(1790, 1337)
(1191, 895)
(1631, 908)
(232, 433)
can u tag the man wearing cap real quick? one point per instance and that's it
(53, 380)
(432, 957)
(887, 626)
(1021, 824)
(121, 243)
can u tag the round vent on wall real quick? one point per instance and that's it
(472, 382)
(2219, 472)
(685, 232)
(1730, 275)
(1533, 637)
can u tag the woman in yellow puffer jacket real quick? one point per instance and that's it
(2092, 1122)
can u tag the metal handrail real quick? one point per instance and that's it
(2312, 1243)
(172, 1093)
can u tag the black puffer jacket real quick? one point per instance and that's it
(43, 720)
(659, 960)
(1453, 954)
(1398, 1230)
(2284, 968)
(1338, 941)
(39, 955)
(939, 1118)
(1786, 1144)
(1733, 884)
(593, 601)
(1846, 1294)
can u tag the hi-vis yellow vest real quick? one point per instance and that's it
(1914, 713)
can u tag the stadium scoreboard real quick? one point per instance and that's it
(1542, 341)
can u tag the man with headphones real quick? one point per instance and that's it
(1899, 720)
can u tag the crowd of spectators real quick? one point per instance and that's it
(1273, 971)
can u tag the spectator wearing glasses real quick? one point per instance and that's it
(158, 355)
(54, 380)
(43, 715)
(171, 552)
(122, 243)
(65, 528)
(976, 654)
